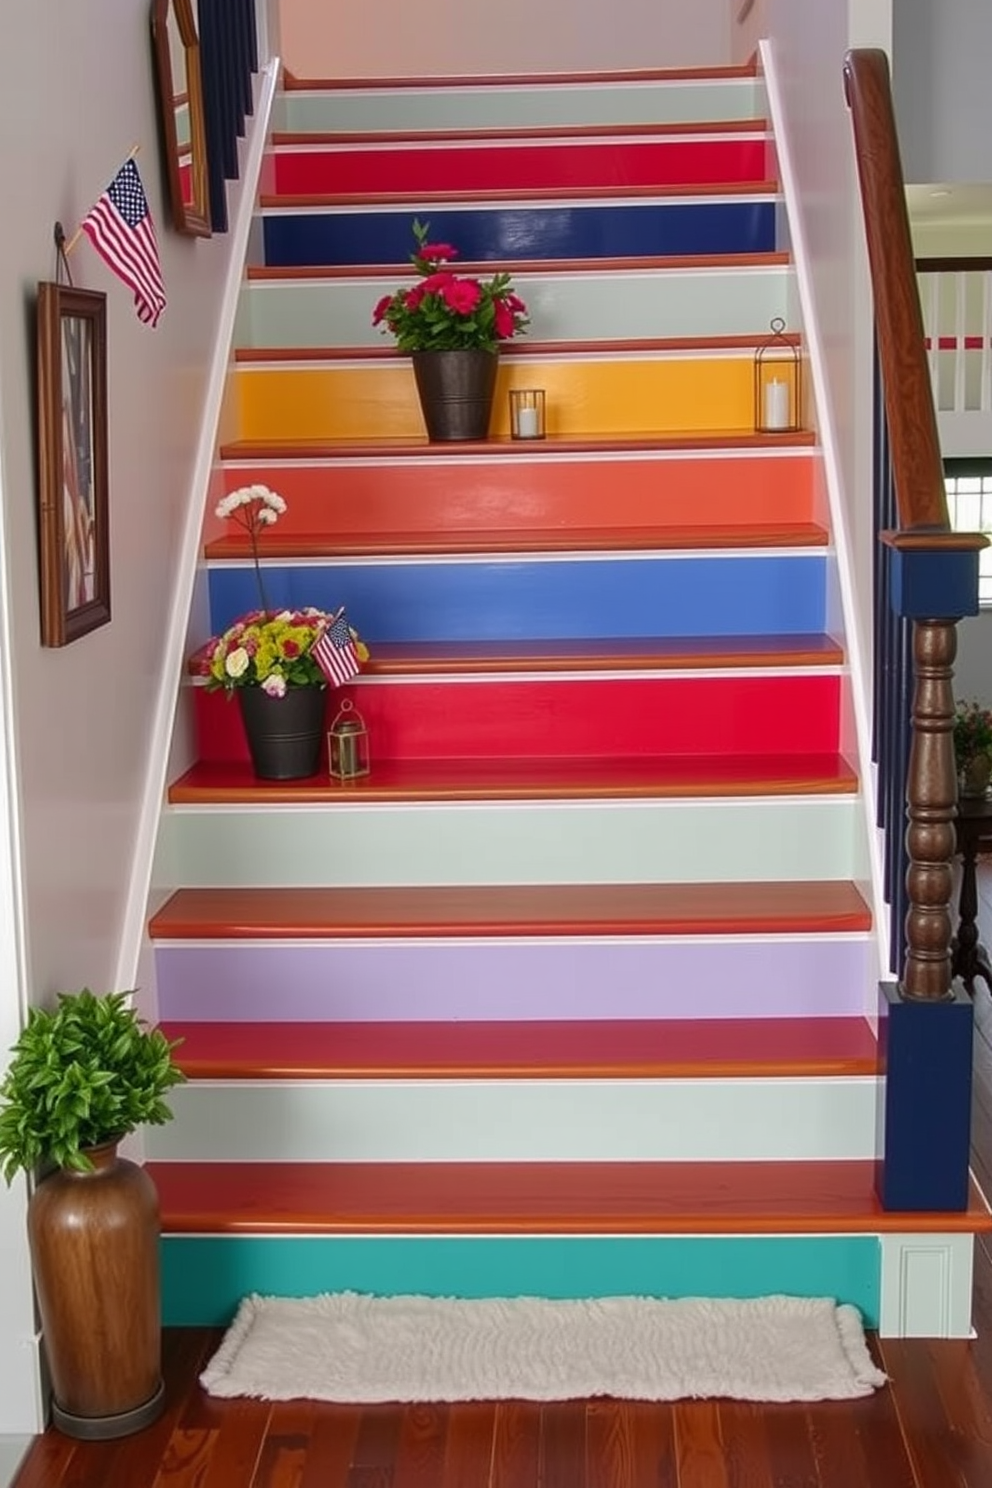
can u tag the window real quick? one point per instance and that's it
(969, 505)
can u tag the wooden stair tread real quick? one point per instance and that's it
(280, 546)
(588, 909)
(670, 263)
(662, 653)
(536, 780)
(627, 346)
(535, 1198)
(358, 139)
(634, 1050)
(729, 72)
(257, 450)
(508, 195)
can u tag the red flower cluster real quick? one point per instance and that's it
(445, 311)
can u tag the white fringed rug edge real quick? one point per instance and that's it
(354, 1348)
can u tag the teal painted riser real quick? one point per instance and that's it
(205, 1277)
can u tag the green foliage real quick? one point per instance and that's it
(85, 1073)
(447, 311)
(972, 732)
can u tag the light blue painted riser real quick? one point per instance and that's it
(535, 598)
(520, 106)
(539, 1120)
(649, 841)
(205, 1277)
(609, 305)
(413, 980)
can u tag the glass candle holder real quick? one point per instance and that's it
(527, 413)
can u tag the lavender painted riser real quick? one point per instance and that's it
(512, 980)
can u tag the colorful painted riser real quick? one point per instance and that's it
(476, 167)
(571, 229)
(715, 298)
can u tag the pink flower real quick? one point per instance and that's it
(434, 283)
(437, 252)
(379, 313)
(503, 320)
(290, 648)
(516, 303)
(413, 297)
(461, 295)
(275, 685)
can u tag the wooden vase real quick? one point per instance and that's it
(94, 1248)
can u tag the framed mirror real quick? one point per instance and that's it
(180, 96)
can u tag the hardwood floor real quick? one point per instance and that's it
(930, 1428)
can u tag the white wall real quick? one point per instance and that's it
(380, 38)
(809, 41)
(78, 94)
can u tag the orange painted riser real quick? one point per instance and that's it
(515, 493)
(632, 1049)
(591, 718)
(800, 908)
(522, 1198)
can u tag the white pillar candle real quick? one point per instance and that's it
(527, 427)
(776, 404)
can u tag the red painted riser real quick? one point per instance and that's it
(515, 494)
(545, 167)
(574, 718)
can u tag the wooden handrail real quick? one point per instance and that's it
(959, 265)
(914, 442)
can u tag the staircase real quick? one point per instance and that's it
(574, 995)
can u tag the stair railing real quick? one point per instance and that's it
(956, 295)
(926, 574)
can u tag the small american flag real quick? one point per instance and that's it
(334, 651)
(121, 229)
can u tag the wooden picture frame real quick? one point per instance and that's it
(73, 506)
(182, 117)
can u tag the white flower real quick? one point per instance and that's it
(237, 662)
(227, 505)
(275, 685)
(270, 500)
(267, 516)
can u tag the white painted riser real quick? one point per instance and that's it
(520, 106)
(674, 841)
(519, 1121)
(614, 305)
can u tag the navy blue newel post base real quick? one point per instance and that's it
(924, 1107)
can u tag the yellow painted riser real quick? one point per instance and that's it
(583, 397)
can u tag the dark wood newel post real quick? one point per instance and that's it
(931, 807)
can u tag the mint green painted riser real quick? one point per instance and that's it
(520, 106)
(674, 841)
(732, 301)
(205, 1277)
(608, 1120)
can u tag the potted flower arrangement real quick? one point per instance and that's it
(279, 663)
(973, 747)
(82, 1076)
(452, 326)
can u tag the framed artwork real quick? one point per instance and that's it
(73, 530)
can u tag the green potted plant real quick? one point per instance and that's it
(82, 1076)
(973, 747)
(452, 326)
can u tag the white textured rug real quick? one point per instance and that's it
(349, 1347)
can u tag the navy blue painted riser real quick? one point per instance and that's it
(521, 232)
(534, 600)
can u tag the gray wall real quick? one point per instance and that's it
(941, 57)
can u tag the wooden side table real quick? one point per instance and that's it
(969, 958)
